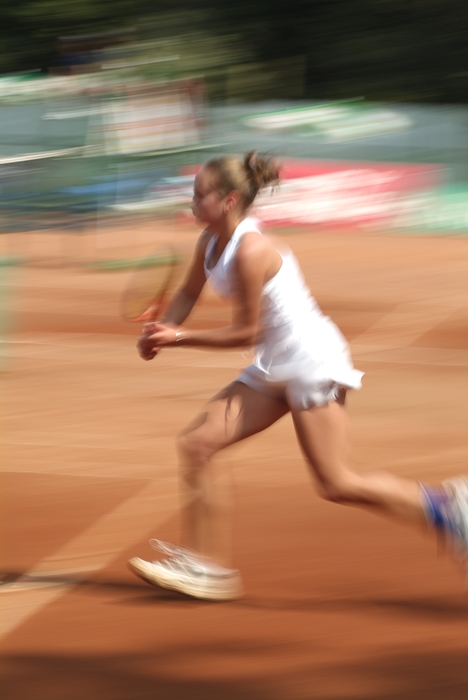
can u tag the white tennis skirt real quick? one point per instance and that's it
(303, 378)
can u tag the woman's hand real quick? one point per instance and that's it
(154, 337)
(146, 347)
(162, 335)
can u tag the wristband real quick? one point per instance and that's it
(178, 336)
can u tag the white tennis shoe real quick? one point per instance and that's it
(181, 571)
(457, 490)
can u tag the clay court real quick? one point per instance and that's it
(339, 604)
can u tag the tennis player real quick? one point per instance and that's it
(301, 365)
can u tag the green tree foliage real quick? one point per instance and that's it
(379, 49)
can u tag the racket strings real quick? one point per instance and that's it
(153, 280)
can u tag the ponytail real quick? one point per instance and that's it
(248, 177)
(261, 171)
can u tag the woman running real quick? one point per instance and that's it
(301, 366)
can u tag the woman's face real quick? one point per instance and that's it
(207, 201)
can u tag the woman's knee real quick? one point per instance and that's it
(341, 488)
(194, 447)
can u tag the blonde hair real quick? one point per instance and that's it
(248, 177)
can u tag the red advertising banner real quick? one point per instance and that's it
(343, 194)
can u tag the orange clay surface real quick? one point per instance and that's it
(339, 604)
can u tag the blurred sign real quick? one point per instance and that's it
(345, 194)
(167, 116)
(335, 121)
(444, 210)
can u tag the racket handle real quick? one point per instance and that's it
(151, 314)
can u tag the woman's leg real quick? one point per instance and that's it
(322, 432)
(234, 414)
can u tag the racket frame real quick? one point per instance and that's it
(157, 304)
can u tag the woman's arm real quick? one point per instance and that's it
(256, 262)
(180, 308)
(188, 294)
(182, 304)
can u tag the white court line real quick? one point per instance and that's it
(439, 357)
(93, 549)
(18, 607)
(389, 338)
(361, 347)
(407, 322)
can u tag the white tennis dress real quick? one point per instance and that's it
(301, 355)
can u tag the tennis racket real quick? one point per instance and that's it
(151, 286)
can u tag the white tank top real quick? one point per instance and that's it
(293, 330)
